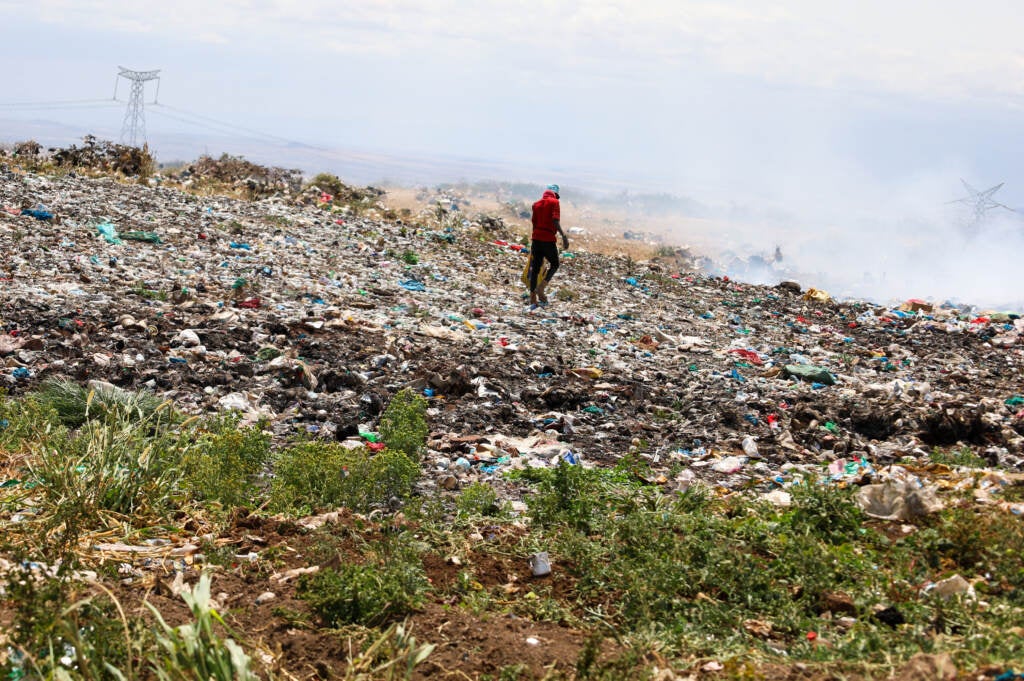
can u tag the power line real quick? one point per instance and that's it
(56, 103)
(215, 128)
(232, 126)
(225, 127)
(133, 127)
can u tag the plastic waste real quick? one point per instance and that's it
(38, 213)
(148, 237)
(540, 564)
(729, 464)
(809, 373)
(895, 500)
(412, 285)
(108, 232)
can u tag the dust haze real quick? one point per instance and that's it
(882, 244)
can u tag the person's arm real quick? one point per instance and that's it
(565, 239)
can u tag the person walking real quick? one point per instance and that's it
(547, 215)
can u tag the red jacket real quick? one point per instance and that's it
(545, 212)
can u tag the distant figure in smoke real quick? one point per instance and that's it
(547, 215)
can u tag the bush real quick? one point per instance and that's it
(314, 475)
(105, 468)
(569, 494)
(826, 511)
(74, 404)
(224, 461)
(47, 636)
(403, 426)
(478, 499)
(26, 421)
(371, 594)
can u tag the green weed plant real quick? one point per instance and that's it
(317, 475)
(403, 425)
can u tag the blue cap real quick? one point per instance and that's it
(553, 187)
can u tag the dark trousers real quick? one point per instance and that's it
(539, 252)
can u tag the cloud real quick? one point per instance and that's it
(943, 48)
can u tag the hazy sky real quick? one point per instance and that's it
(816, 107)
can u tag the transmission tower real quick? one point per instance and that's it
(134, 127)
(981, 202)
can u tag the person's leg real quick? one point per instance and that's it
(551, 255)
(536, 262)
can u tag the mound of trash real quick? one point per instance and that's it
(313, 319)
(95, 155)
(252, 180)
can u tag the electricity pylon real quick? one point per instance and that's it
(134, 127)
(981, 201)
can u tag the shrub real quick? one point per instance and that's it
(224, 461)
(26, 421)
(377, 479)
(370, 594)
(403, 426)
(825, 511)
(48, 637)
(569, 494)
(106, 468)
(478, 499)
(315, 475)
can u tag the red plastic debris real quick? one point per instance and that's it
(375, 446)
(748, 355)
(251, 303)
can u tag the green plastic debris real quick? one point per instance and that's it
(831, 427)
(239, 283)
(137, 235)
(1014, 401)
(806, 372)
(267, 353)
(108, 232)
(370, 437)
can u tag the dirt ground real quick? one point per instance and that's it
(469, 645)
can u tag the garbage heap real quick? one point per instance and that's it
(312, 318)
